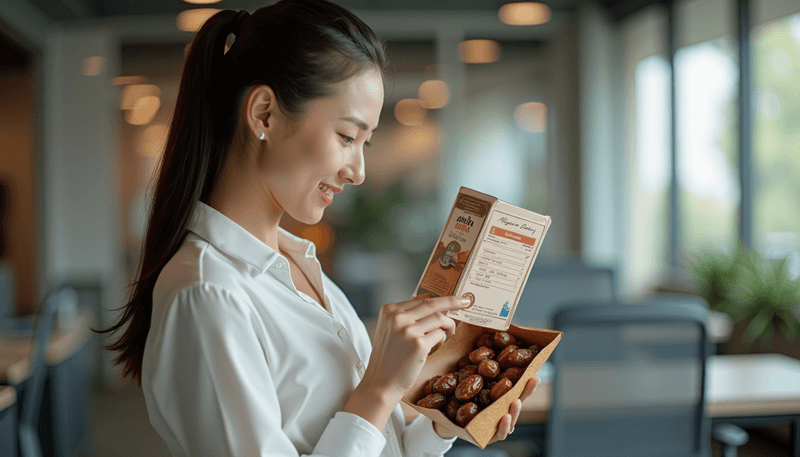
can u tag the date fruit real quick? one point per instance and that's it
(503, 339)
(433, 401)
(466, 371)
(469, 387)
(520, 358)
(446, 385)
(513, 374)
(465, 413)
(502, 357)
(500, 389)
(452, 407)
(485, 340)
(482, 353)
(489, 369)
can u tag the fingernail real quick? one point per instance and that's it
(464, 301)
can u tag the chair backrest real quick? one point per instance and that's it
(33, 392)
(551, 286)
(629, 380)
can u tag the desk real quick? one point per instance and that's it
(746, 390)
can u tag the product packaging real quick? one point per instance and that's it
(485, 253)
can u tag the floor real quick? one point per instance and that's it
(120, 428)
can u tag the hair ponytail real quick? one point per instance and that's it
(301, 49)
(191, 162)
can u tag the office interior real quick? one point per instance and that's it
(661, 137)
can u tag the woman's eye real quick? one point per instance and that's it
(367, 144)
(347, 139)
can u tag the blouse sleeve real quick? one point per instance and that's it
(420, 440)
(210, 391)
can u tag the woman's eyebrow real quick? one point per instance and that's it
(358, 122)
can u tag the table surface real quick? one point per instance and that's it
(15, 351)
(737, 385)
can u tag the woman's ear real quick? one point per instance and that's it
(260, 112)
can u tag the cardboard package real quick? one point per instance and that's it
(486, 252)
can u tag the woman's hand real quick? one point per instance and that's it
(404, 336)
(509, 421)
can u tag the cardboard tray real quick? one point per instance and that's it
(483, 426)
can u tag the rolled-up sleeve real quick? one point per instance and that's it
(210, 392)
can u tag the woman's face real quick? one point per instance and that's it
(315, 156)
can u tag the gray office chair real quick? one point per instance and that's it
(551, 286)
(33, 391)
(629, 380)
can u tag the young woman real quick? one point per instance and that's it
(242, 345)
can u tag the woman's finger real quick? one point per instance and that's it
(428, 306)
(514, 410)
(532, 384)
(503, 429)
(434, 321)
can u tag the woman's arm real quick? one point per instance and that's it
(210, 392)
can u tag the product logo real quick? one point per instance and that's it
(464, 223)
(471, 299)
(506, 309)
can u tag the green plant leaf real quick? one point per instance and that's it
(756, 328)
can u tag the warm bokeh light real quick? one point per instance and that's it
(524, 13)
(143, 111)
(153, 140)
(479, 51)
(202, 2)
(531, 117)
(417, 143)
(434, 94)
(127, 80)
(92, 66)
(320, 234)
(192, 20)
(131, 94)
(410, 112)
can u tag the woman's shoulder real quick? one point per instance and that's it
(199, 267)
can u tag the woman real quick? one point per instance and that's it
(242, 345)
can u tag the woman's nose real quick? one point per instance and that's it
(353, 171)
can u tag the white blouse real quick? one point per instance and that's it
(238, 362)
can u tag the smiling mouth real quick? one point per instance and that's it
(327, 192)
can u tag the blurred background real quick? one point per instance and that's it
(662, 137)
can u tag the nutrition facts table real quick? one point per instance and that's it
(503, 259)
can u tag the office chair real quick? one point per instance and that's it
(31, 395)
(629, 380)
(551, 286)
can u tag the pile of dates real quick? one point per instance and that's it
(480, 377)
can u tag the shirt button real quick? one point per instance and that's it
(342, 333)
(389, 433)
(360, 365)
(278, 265)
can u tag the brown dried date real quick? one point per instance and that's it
(502, 358)
(503, 339)
(465, 413)
(520, 358)
(489, 369)
(464, 361)
(466, 371)
(446, 385)
(500, 389)
(484, 340)
(452, 407)
(483, 399)
(427, 389)
(534, 348)
(433, 401)
(482, 353)
(513, 374)
(469, 387)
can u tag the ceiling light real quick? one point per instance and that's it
(410, 112)
(143, 111)
(434, 94)
(524, 13)
(131, 94)
(531, 117)
(191, 20)
(202, 2)
(126, 80)
(479, 51)
(153, 140)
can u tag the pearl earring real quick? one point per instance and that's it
(261, 136)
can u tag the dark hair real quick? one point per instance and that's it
(299, 48)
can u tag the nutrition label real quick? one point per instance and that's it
(503, 259)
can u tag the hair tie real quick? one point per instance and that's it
(237, 22)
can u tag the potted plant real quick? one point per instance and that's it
(758, 294)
